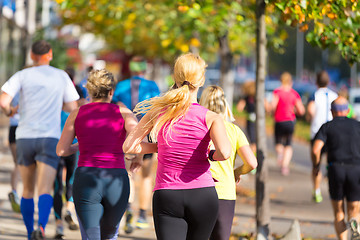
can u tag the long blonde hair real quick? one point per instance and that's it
(189, 74)
(213, 98)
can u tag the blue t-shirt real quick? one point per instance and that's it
(134, 90)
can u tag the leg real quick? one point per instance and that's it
(288, 152)
(145, 191)
(14, 180)
(168, 214)
(222, 228)
(128, 228)
(87, 198)
(70, 164)
(58, 191)
(117, 190)
(339, 222)
(279, 148)
(58, 201)
(46, 177)
(201, 212)
(316, 178)
(28, 174)
(15, 174)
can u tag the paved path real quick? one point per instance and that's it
(290, 199)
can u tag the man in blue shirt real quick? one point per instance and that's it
(130, 92)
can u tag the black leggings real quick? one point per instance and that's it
(222, 228)
(101, 197)
(70, 164)
(185, 214)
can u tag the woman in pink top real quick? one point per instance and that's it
(284, 103)
(185, 202)
(101, 184)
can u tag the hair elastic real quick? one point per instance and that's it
(186, 83)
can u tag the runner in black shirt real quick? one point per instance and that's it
(341, 136)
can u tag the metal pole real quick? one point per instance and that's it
(299, 54)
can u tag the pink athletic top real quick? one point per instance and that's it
(183, 159)
(100, 130)
(285, 107)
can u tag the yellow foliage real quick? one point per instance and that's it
(98, 18)
(297, 9)
(59, 1)
(195, 42)
(184, 48)
(332, 15)
(268, 20)
(165, 43)
(131, 16)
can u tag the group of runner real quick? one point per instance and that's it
(195, 145)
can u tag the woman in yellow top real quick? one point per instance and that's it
(223, 172)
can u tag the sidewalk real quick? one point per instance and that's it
(290, 199)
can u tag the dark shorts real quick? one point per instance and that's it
(30, 150)
(12, 131)
(344, 182)
(283, 132)
(251, 131)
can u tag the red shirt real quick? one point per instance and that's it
(285, 107)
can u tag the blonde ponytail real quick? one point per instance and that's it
(213, 98)
(189, 74)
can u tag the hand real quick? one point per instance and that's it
(13, 110)
(129, 156)
(136, 162)
(237, 175)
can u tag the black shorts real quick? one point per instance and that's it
(283, 132)
(344, 182)
(251, 131)
(12, 131)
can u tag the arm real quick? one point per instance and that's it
(315, 155)
(65, 146)
(249, 160)
(134, 141)
(218, 136)
(273, 104)
(130, 124)
(310, 111)
(299, 107)
(241, 105)
(70, 106)
(5, 104)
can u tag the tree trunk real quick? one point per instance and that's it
(227, 75)
(262, 195)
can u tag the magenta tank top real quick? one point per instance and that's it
(100, 130)
(182, 157)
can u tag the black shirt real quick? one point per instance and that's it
(342, 139)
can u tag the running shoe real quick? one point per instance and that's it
(69, 219)
(15, 202)
(128, 228)
(59, 234)
(317, 197)
(354, 226)
(38, 234)
(142, 223)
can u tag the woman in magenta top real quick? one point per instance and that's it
(286, 102)
(185, 202)
(101, 184)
